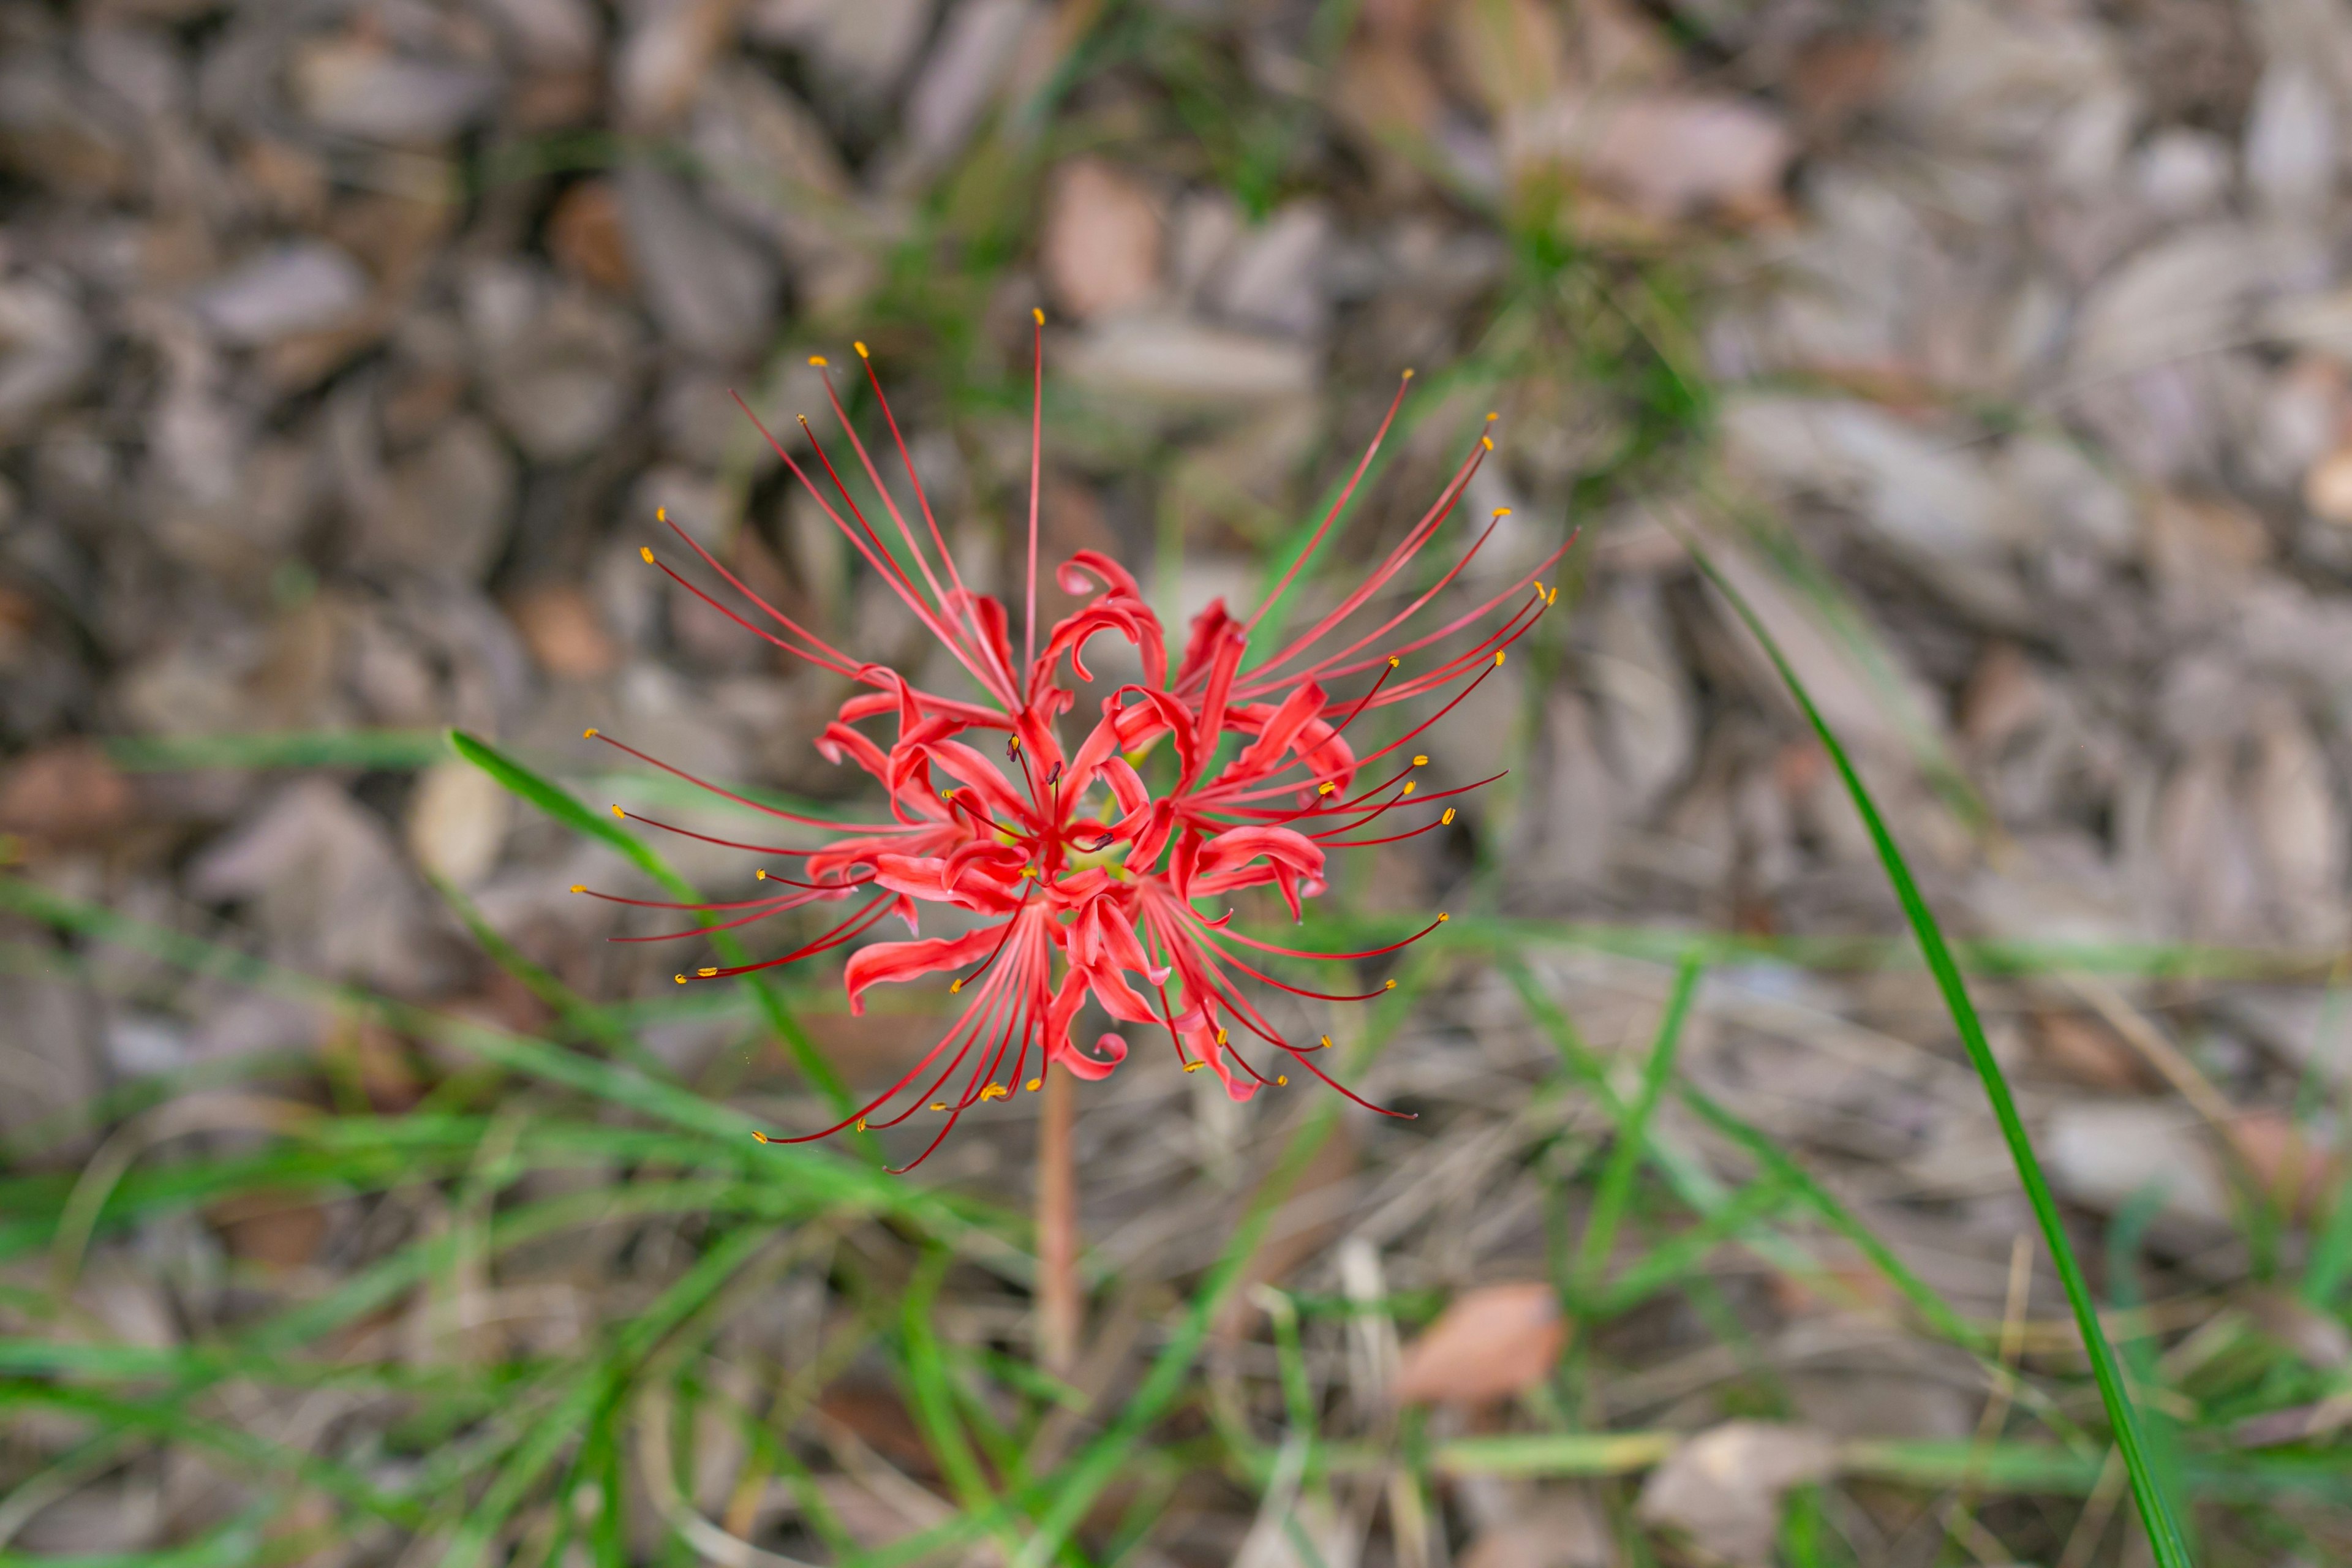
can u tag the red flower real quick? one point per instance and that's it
(1085, 879)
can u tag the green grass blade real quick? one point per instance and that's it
(1616, 1187)
(566, 807)
(2155, 1510)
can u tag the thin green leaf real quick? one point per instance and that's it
(2155, 1510)
(1616, 1185)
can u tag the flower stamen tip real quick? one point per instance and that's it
(646, 553)
(758, 1136)
(1447, 820)
(579, 888)
(587, 735)
(1326, 788)
(1498, 656)
(679, 978)
(1280, 1078)
(1492, 416)
(1488, 442)
(955, 987)
(1194, 1067)
(707, 973)
(619, 813)
(1387, 985)
(1033, 1085)
(1408, 372)
(938, 1105)
(1442, 917)
(1408, 787)
(1421, 760)
(817, 360)
(861, 350)
(1037, 314)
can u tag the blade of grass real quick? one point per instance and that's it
(1616, 1185)
(2155, 1510)
(566, 807)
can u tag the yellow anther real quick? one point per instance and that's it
(759, 1136)
(1281, 1078)
(1194, 1067)
(646, 553)
(938, 1105)
(1554, 599)
(1037, 314)
(1492, 416)
(861, 1124)
(1500, 511)
(1326, 1042)
(707, 973)
(1407, 790)
(661, 514)
(1326, 788)
(861, 349)
(1498, 656)
(994, 1091)
(579, 888)
(1015, 742)
(1387, 985)
(1442, 917)
(1421, 760)
(1033, 1085)
(1488, 442)
(1447, 820)
(1029, 871)
(1408, 375)
(817, 359)
(955, 987)
(1394, 661)
(761, 875)
(587, 735)
(1221, 1037)
(679, 978)
(619, 813)
(1538, 587)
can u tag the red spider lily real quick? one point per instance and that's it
(1082, 877)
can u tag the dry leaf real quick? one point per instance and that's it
(1723, 1488)
(2090, 1053)
(1489, 1344)
(1101, 244)
(66, 793)
(564, 631)
(1562, 1531)
(587, 237)
(275, 1229)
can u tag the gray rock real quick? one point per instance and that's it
(293, 288)
(358, 87)
(45, 352)
(711, 290)
(444, 510)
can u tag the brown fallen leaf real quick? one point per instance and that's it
(1562, 1531)
(1722, 1488)
(63, 793)
(2088, 1052)
(1101, 244)
(587, 237)
(1489, 1344)
(564, 631)
(278, 1230)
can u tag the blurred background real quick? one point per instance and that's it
(360, 1204)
